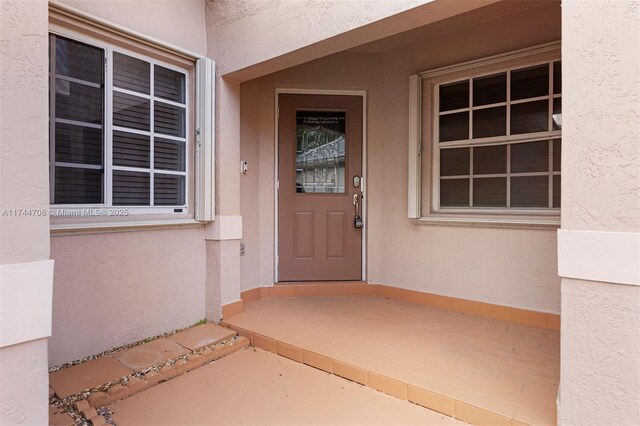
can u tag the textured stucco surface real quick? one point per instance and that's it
(601, 108)
(512, 267)
(600, 353)
(178, 22)
(245, 32)
(114, 289)
(24, 147)
(24, 177)
(600, 349)
(24, 384)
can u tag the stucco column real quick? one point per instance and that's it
(26, 273)
(599, 242)
(224, 234)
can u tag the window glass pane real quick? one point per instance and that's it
(78, 60)
(77, 186)
(169, 155)
(530, 82)
(490, 122)
(78, 144)
(557, 77)
(490, 192)
(454, 193)
(130, 150)
(556, 191)
(530, 191)
(168, 190)
(490, 160)
(169, 119)
(131, 111)
(130, 188)
(131, 73)
(320, 151)
(490, 89)
(454, 96)
(557, 154)
(169, 84)
(454, 127)
(530, 117)
(454, 162)
(557, 114)
(78, 102)
(530, 157)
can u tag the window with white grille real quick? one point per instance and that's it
(485, 139)
(498, 139)
(118, 126)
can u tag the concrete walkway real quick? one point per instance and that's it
(252, 387)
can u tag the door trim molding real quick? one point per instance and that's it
(293, 91)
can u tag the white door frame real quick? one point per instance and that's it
(290, 91)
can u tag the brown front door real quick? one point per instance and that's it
(319, 172)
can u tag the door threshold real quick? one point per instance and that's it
(345, 282)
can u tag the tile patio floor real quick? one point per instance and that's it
(254, 387)
(476, 369)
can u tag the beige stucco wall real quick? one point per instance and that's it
(25, 271)
(252, 39)
(115, 288)
(600, 354)
(178, 22)
(24, 384)
(512, 267)
(112, 289)
(24, 127)
(245, 32)
(600, 335)
(602, 112)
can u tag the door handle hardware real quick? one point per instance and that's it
(357, 220)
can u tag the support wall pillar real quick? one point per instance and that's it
(599, 243)
(224, 234)
(26, 273)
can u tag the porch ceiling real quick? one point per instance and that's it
(450, 25)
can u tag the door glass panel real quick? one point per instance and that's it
(320, 151)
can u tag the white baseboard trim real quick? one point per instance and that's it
(26, 297)
(612, 257)
(224, 228)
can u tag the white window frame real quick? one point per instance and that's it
(423, 197)
(199, 141)
(109, 128)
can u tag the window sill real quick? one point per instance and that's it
(525, 222)
(61, 229)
